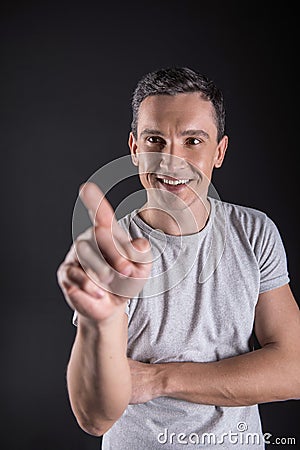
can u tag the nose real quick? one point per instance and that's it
(171, 163)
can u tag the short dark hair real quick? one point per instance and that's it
(177, 80)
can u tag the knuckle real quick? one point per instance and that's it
(60, 274)
(82, 247)
(84, 251)
(75, 273)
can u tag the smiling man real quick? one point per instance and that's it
(166, 313)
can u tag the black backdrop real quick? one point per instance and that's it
(67, 74)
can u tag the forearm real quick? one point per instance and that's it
(98, 375)
(261, 376)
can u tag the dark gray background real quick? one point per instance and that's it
(67, 75)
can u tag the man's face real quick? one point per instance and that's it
(176, 146)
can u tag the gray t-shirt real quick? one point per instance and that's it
(198, 305)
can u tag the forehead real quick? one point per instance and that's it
(183, 110)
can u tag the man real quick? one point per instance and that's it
(163, 354)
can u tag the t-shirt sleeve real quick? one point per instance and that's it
(74, 318)
(272, 259)
(127, 308)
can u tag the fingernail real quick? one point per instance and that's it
(99, 293)
(126, 271)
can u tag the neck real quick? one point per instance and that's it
(182, 222)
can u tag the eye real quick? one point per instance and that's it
(155, 140)
(193, 141)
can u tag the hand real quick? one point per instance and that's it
(146, 381)
(104, 267)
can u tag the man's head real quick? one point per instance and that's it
(177, 136)
(178, 80)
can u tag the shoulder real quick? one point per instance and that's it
(241, 213)
(244, 218)
(247, 223)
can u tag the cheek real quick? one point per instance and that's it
(203, 165)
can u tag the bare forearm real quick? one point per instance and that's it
(98, 375)
(264, 375)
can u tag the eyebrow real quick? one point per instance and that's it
(151, 131)
(195, 133)
(184, 133)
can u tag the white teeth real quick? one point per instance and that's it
(175, 182)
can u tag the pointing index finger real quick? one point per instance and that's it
(99, 208)
(110, 237)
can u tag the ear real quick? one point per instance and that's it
(133, 149)
(220, 151)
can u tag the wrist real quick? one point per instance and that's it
(87, 324)
(107, 335)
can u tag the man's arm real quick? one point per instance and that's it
(97, 284)
(271, 373)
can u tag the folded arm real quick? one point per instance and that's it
(271, 373)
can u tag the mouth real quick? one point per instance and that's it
(171, 183)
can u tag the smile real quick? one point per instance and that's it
(173, 182)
